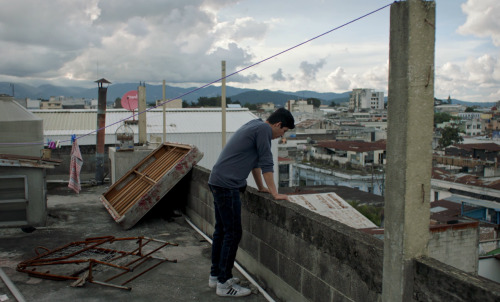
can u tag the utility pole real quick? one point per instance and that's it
(164, 114)
(141, 96)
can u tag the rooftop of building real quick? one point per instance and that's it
(75, 217)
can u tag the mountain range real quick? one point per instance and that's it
(192, 94)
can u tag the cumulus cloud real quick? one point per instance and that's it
(278, 76)
(310, 70)
(476, 79)
(482, 19)
(338, 80)
(123, 40)
(477, 76)
(184, 41)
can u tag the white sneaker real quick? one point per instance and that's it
(212, 281)
(231, 289)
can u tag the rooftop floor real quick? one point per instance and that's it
(74, 217)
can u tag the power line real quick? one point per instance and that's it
(227, 76)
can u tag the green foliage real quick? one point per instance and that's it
(251, 106)
(449, 136)
(333, 104)
(117, 103)
(211, 101)
(469, 109)
(314, 101)
(441, 117)
(370, 212)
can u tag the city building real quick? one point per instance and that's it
(267, 106)
(299, 106)
(363, 98)
(177, 103)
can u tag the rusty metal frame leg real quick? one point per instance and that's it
(93, 246)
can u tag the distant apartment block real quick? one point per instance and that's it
(474, 127)
(32, 104)
(299, 106)
(61, 102)
(469, 115)
(363, 98)
(449, 108)
(267, 107)
(177, 103)
(51, 104)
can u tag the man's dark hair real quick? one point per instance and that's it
(284, 116)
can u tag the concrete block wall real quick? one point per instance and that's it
(297, 255)
(436, 281)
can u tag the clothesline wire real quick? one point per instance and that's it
(227, 76)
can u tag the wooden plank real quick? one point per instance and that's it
(144, 185)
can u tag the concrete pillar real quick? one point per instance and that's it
(141, 96)
(409, 144)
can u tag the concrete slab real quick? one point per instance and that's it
(73, 217)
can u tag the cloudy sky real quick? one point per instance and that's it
(75, 42)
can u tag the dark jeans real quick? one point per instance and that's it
(227, 234)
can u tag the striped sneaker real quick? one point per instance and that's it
(231, 289)
(212, 281)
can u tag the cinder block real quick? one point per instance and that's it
(268, 256)
(314, 289)
(299, 251)
(290, 271)
(334, 273)
(250, 244)
(360, 291)
(339, 297)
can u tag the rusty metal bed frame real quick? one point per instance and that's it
(83, 261)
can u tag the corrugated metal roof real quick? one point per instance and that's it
(478, 202)
(83, 121)
(333, 206)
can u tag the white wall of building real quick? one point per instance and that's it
(363, 98)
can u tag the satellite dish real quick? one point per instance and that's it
(130, 100)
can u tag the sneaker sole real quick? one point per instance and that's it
(234, 294)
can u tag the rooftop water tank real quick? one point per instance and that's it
(21, 132)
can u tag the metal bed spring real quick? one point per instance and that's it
(82, 260)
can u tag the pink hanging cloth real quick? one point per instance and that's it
(75, 167)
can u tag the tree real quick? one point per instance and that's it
(117, 103)
(441, 117)
(250, 106)
(469, 109)
(449, 136)
(333, 104)
(185, 104)
(211, 101)
(314, 101)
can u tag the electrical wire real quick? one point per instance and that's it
(227, 76)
